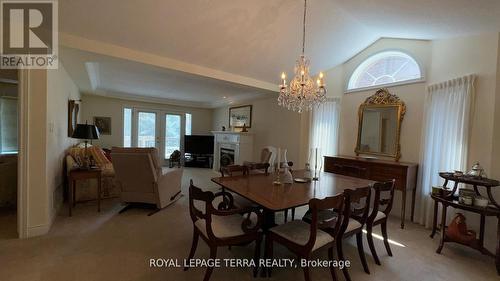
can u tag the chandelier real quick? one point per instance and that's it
(303, 92)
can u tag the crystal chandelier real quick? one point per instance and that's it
(303, 92)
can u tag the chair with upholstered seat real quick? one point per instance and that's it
(357, 207)
(384, 196)
(142, 178)
(222, 227)
(304, 238)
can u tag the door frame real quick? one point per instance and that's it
(23, 152)
(160, 126)
(182, 133)
(135, 125)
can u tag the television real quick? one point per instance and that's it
(198, 144)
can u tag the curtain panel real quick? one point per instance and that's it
(445, 137)
(324, 130)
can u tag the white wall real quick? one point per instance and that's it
(478, 55)
(46, 143)
(272, 125)
(441, 60)
(60, 89)
(111, 107)
(412, 94)
(37, 210)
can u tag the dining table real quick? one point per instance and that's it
(261, 189)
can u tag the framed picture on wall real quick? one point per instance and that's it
(240, 115)
(103, 124)
(73, 108)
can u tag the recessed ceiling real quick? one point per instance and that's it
(254, 40)
(108, 76)
(257, 39)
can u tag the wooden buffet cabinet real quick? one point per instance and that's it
(405, 174)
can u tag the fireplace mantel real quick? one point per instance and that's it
(240, 142)
(232, 133)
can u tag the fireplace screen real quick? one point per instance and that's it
(226, 157)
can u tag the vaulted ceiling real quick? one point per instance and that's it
(251, 42)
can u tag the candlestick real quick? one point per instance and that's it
(315, 178)
(277, 181)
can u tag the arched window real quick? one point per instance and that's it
(384, 68)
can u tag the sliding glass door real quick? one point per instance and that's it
(173, 133)
(155, 128)
(146, 129)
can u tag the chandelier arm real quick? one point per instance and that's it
(304, 28)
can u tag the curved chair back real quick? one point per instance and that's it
(357, 205)
(383, 199)
(332, 226)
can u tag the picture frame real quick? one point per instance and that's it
(240, 116)
(73, 109)
(103, 124)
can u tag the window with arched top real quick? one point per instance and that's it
(385, 68)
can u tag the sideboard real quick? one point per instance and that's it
(405, 174)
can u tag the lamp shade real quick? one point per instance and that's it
(85, 132)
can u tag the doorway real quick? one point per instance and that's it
(164, 130)
(8, 153)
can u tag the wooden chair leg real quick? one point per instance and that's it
(286, 215)
(386, 238)
(361, 251)
(213, 255)
(307, 274)
(269, 252)
(194, 245)
(340, 254)
(369, 237)
(293, 213)
(332, 268)
(257, 256)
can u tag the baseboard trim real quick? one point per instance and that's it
(38, 230)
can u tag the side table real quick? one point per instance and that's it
(83, 174)
(478, 243)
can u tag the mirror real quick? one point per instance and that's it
(380, 118)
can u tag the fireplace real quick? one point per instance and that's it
(232, 148)
(226, 157)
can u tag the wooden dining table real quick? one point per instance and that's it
(261, 190)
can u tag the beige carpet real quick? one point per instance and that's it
(111, 246)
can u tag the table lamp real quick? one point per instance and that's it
(86, 132)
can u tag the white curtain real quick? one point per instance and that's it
(324, 129)
(445, 136)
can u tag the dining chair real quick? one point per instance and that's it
(305, 238)
(230, 171)
(266, 158)
(356, 209)
(220, 228)
(384, 196)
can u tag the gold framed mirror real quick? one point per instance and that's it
(379, 128)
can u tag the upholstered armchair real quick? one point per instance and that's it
(142, 178)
